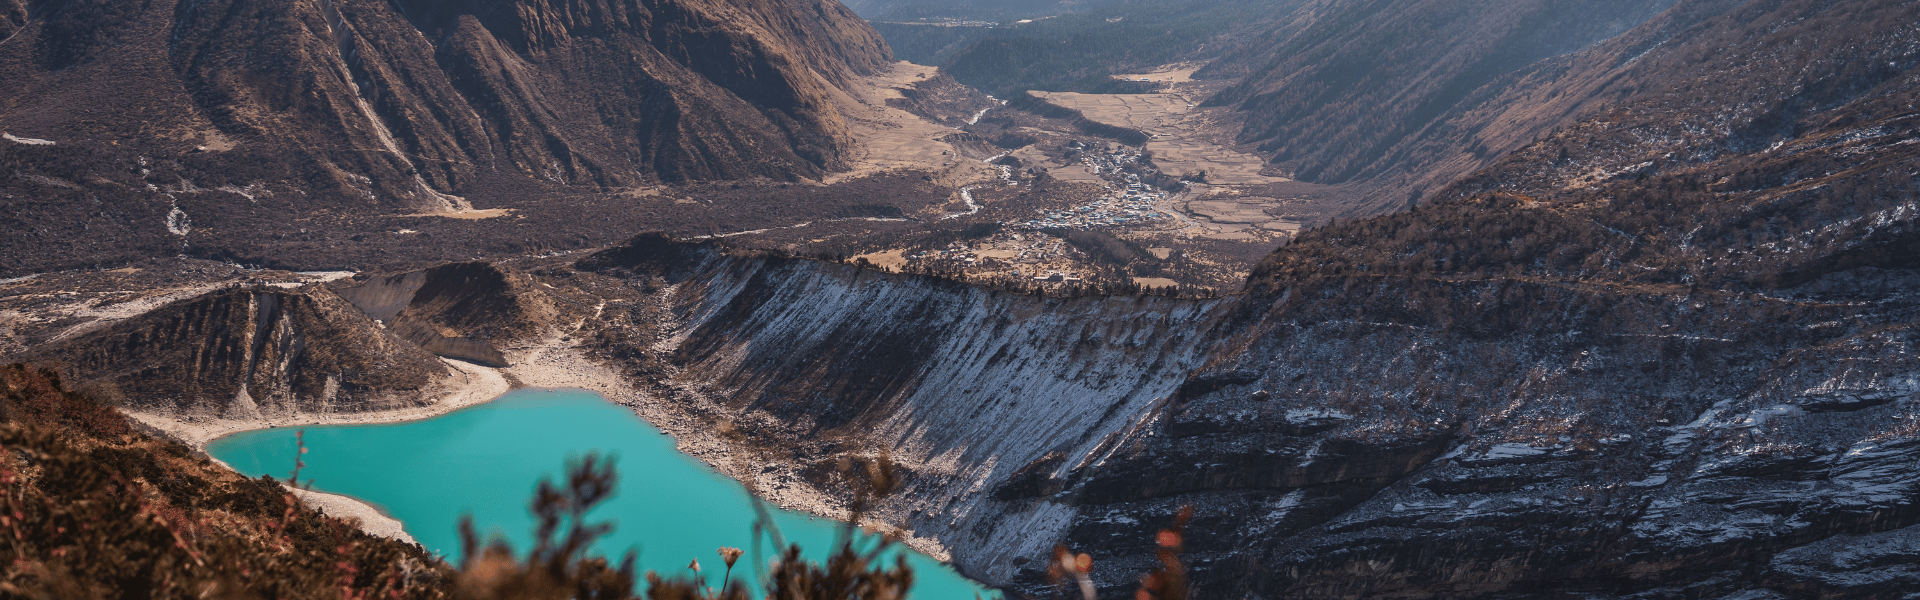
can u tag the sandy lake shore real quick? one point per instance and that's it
(467, 386)
(550, 362)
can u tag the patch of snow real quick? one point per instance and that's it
(325, 275)
(1301, 415)
(1311, 453)
(28, 141)
(1286, 505)
(177, 221)
(251, 191)
(1511, 450)
(1760, 416)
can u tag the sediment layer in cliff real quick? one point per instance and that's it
(248, 353)
(822, 363)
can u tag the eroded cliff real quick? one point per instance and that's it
(247, 353)
(962, 386)
(1339, 436)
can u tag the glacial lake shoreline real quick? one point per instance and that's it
(485, 460)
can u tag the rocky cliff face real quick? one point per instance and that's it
(247, 346)
(967, 388)
(1338, 436)
(1552, 438)
(251, 352)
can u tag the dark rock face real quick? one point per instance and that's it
(1667, 453)
(251, 352)
(413, 104)
(457, 310)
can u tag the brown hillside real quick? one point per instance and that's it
(245, 353)
(1339, 99)
(408, 103)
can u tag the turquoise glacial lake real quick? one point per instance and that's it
(486, 460)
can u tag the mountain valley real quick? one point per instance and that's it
(1393, 298)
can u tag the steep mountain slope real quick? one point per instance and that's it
(815, 364)
(415, 103)
(1080, 51)
(234, 131)
(1336, 92)
(457, 310)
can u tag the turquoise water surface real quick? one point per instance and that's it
(485, 461)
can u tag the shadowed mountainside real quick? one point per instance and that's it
(1338, 99)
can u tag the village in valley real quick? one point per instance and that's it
(1042, 200)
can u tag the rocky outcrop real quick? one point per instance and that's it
(1357, 435)
(457, 310)
(943, 100)
(963, 386)
(248, 353)
(1604, 443)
